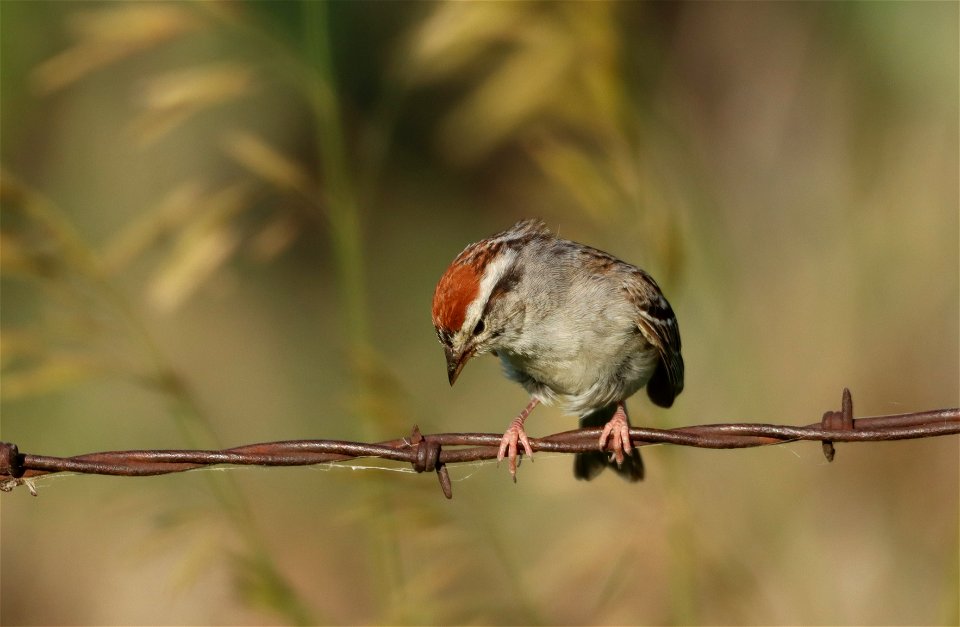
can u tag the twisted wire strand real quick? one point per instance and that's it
(435, 451)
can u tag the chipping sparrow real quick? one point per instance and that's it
(577, 327)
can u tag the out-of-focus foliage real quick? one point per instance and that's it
(222, 223)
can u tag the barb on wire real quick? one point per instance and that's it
(432, 453)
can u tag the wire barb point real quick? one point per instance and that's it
(428, 458)
(837, 421)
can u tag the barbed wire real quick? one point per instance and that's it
(432, 453)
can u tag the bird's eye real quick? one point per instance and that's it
(477, 330)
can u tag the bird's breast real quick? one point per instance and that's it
(581, 376)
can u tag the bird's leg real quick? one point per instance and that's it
(514, 435)
(617, 430)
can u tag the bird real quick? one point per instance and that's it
(578, 328)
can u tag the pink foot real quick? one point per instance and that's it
(513, 438)
(617, 431)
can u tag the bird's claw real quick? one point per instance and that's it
(617, 431)
(513, 438)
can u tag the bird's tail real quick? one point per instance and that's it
(590, 464)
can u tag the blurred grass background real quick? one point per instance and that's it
(222, 223)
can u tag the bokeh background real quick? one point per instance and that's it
(222, 223)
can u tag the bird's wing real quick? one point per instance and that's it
(657, 322)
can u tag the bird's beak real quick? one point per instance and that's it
(455, 362)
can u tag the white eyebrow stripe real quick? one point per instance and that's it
(494, 272)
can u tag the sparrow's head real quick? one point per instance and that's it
(476, 307)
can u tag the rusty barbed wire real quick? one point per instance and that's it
(432, 453)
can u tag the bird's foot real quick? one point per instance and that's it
(617, 431)
(513, 438)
